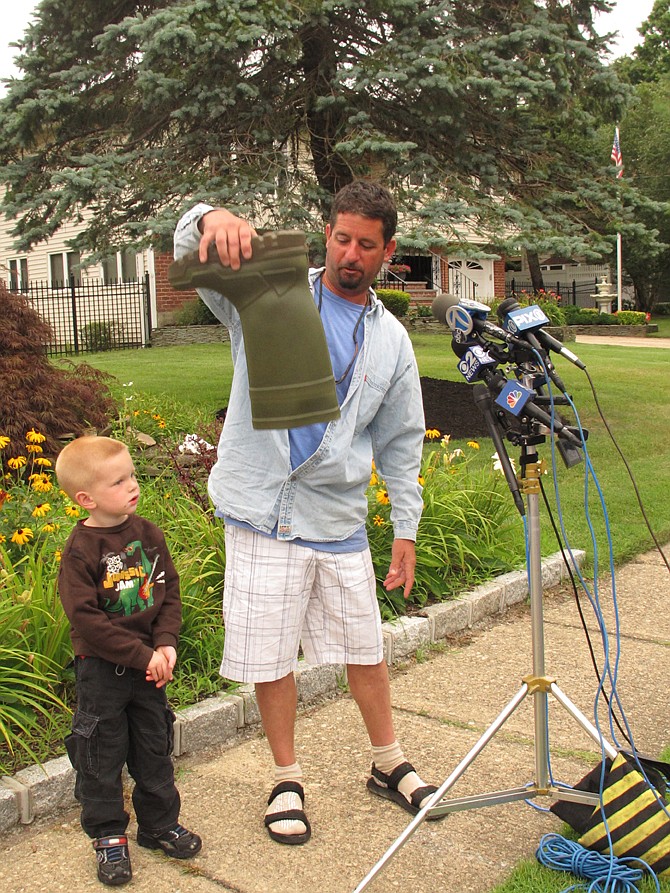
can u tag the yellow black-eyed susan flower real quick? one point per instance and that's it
(378, 521)
(41, 483)
(432, 434)
(22, 536)
(383, 497)
(34, 436)
(17, 462)
(72, 511)
(473, 444)
(4, 441)
(41, 510)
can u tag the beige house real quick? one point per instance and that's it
(51, 272)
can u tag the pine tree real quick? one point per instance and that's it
(477, 110)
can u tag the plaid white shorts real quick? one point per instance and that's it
(279, 595)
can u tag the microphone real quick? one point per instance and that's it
(528, 322)
(484, 402)
(475, 362)
(511, 396)
(465, 316)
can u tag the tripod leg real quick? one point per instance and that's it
(469, 758)
(588, 727)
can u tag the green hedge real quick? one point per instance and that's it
(632, 317)
(397, 302)
(195, 313)
(589, 316)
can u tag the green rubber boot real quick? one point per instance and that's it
(290, 374)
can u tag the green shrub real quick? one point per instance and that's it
(397, 302)
(195, 313)
(422, 311)
(589, 316)
(607, 319)
(662, 309)
(632, 317)
(98, 336)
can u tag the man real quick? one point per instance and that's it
(298, 566)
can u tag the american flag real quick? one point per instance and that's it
(616, 153)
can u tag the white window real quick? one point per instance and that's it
(120, 267)
(63, 265)
(18, 274)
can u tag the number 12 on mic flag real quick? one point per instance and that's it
(616, 153)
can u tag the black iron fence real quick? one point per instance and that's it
(577, 294)
(90, 315)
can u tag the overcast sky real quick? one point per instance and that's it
(626, 18)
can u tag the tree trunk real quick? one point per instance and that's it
(326, 125)
(535, 271)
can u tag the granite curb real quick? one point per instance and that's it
(43, 790)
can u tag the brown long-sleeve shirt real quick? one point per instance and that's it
(120, 591)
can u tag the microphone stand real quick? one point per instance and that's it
(536, 684)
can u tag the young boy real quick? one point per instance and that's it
(120, 591)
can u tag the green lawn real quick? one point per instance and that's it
(630, 385)
(663, 323)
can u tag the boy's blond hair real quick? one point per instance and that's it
(79, 462)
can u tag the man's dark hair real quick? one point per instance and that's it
(369, 200)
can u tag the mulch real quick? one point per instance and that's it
(450, 408)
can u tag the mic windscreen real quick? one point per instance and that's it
(441, 304)
(506, 306)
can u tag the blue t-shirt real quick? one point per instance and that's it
(344, 325)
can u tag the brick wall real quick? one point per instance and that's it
(168, 299)
(444, 273)
(499, 278)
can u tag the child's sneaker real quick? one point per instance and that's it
(178, 842)
(113, 860)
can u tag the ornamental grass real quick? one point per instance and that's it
(469, 530)
(468, 533)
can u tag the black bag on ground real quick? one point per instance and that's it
(637, 822)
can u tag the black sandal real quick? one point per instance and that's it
(290, 814)
(386, 786)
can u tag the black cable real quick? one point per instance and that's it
(575, 592)
(630, 473)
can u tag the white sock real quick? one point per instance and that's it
(287, 800)
(390, 756)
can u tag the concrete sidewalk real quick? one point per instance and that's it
(442, 705)
(622, 341)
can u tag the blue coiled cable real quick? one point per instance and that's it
(606, 874)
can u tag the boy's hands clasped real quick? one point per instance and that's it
(161, 665)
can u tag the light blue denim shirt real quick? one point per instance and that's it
(324, 499)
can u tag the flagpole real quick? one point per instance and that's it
(618, 161)
(618, 272)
